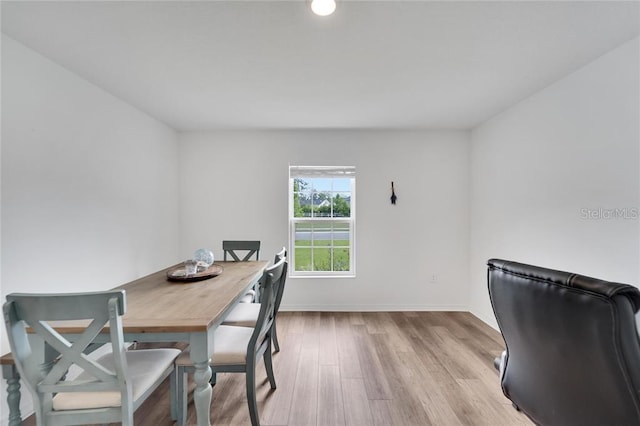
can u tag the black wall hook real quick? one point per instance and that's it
(393, 194)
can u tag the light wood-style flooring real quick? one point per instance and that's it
(368, 369)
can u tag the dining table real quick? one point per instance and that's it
(162, 307)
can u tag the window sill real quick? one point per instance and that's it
(322, 276)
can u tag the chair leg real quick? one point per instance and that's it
(251, 395)
(173, 391)
(180, 396)
(127, 413)
(274, 335)
(213, 378)
(268, 365)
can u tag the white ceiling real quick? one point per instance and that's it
(273, 64)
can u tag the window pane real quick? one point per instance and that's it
(303, 258)
(302, 198)
(341, 234)
(303, 232)
(322, 184)
(322, 259)
(341, 259)
(342, 184)
(342, 204)
(302, 248)
(321, 204)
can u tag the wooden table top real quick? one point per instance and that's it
(156, 305)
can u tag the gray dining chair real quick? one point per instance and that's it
(234, 249)
(238, 349)
(250, 248)
(107, 389)
(280, 255)
(246, 314)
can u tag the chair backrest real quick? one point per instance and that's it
(36, 311)
(270, 281)
(282, 254)
(572, 347)
(251, 248)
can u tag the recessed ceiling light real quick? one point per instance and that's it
(323, 7)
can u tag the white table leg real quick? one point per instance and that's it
(202, 392)
(201, 349)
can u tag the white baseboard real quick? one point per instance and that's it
(371, 308)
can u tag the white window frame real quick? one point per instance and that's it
(322, 172)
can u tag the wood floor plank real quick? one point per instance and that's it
(304, 406)
(228, 398)
(483, 340)
(327, 340)
(488, 411)
(381, 412)
(374, 322)
(348, 359)
(435, 382)
(365, 369)
(356, 318)
(453, 321)
(278, 405)
(357, 410)
(451, 360)
(481, 330)
(375, 377)
(295, 321)
(330, 401)
(397, 337)
(311, 330)
(405, 403)
(429, 390)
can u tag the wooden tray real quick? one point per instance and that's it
(178, 274)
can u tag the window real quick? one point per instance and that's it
(322, 221)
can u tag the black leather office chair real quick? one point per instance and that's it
(572, 348)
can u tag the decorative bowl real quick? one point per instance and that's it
(204, 257)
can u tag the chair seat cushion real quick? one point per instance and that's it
(243, 315)
(145, 367)
(247, 298)
(230, 345)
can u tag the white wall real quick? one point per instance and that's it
(89, 185)
(538, 165)
(234, 186)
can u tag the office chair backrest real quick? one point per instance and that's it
(572, 347)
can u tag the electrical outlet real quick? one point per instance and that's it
(433, 279)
